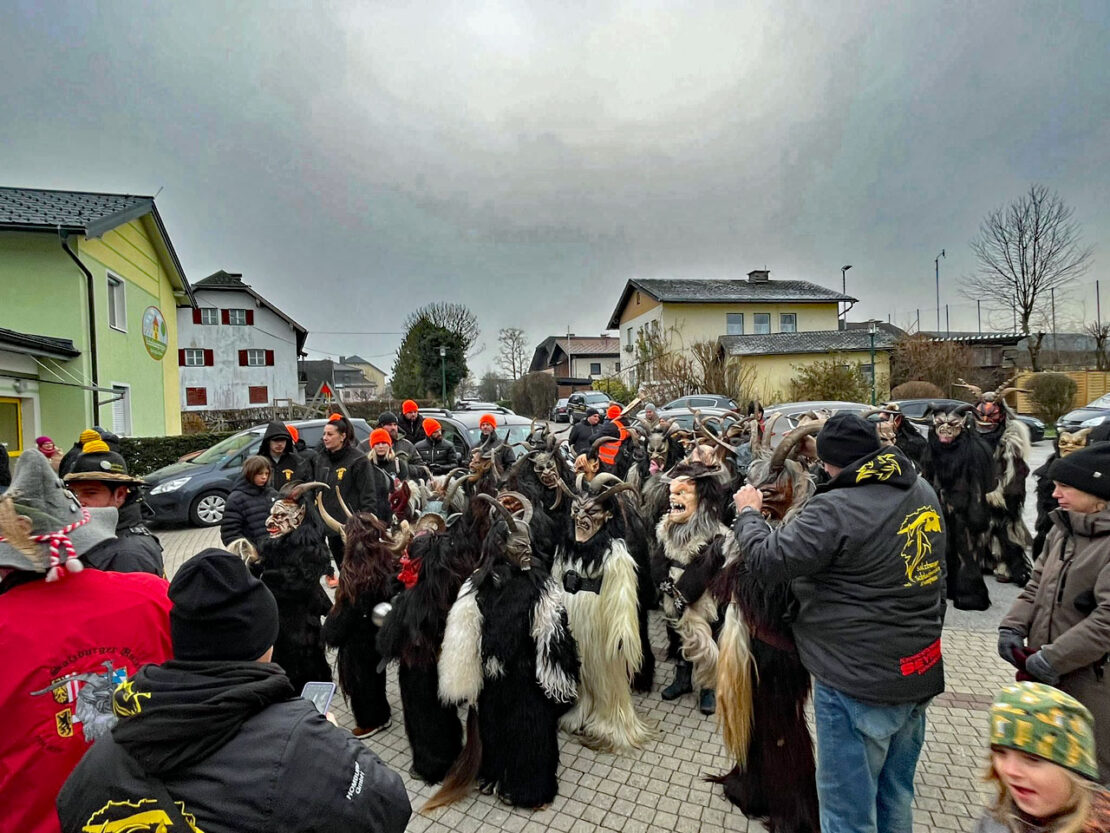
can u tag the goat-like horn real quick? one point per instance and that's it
(603, 478)
(600, 441)
(298, 491)
(500, 507)
(975, 389)
(525, 504)
(616, 488)
(342, 503)
(452, 487)
(789, 441)
(331, 522)
(430, 522)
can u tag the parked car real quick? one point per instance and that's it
(700, 401)
(462, 430)
(196, 490)
(475, 405)
(915, 408)
(1073, 420)
(560, 413)
(577, 403)
(792, 412)
(684, 417)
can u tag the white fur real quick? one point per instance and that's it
(547, 630)
(1013, 445)
(460, 660)
(735, 672)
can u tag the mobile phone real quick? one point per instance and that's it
(320, 694)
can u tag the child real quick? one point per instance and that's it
(1043, 765)
(249, 503)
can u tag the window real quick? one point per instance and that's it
(193, 357)
(117, 308)
(237, 317)
(734, 323)
(788, 322)
(628, 340)
(121, 410)
(595, 368)
(864, 370)
(196, 396)
(259, 394)
(256, 358)
(762, 321)
(206, 315)
(11, 426)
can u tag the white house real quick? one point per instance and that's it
(236, 349)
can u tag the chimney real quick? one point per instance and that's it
(759, 276)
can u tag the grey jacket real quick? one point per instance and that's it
(866, 560)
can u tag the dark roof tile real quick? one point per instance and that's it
(816, 341)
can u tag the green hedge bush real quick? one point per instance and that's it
(147, 454)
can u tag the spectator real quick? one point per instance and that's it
(278, 447)
(87, 436)
(1043, 765)
(583, 433)
(412, 426)
(387, 420)
(1058, 629)
(870, 608)
(437, 453)
(217, 739)
(346, 471)
(487, 426)
(249, 503)
(50, 452)
(68, 636)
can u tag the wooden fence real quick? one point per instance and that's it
(1089, 385)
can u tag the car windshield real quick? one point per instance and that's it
(225, 448)
(1101, 402)
(517, 434)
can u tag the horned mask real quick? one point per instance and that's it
(590, 512)
(1070, 443)
(518, 545)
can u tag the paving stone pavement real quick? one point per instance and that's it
(661, 788)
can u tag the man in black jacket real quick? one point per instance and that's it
(487, 425)
(439, 455)
(583, 433)
(277, 447)
(217, 739)
(865, 560)
(99, 478)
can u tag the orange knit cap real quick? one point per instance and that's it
(613, 412)
(294, 434)
(380, 435)
(409, 407)
(431, 426)
(488, 419)
(335, 417)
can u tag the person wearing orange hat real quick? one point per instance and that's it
(438, 454)
(388, 471)
(612, 427)
(412, 426)
(487, 424)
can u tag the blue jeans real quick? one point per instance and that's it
(866, 758)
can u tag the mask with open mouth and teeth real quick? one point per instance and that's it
(285, 516)
(1070, 443)
(683, 501)
(948, 426)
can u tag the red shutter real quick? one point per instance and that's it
(269, 358)
(243, 361)
(225, 316)
(209, 358)
(181, 358)
(250, 318)
(196, 316)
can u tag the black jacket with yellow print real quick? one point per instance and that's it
(348, 472)
(865, 558)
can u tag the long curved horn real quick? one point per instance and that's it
(616, 488)
(789, 441)
(713, 438)
(525, 503)
(331, 522)
(975, 389)
(342, 503)
(518, 464)
(600, 441)
(297, 491)
(500, 507)
(602, 478)
(452, 487)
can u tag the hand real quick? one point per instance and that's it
(331, 719)
(748, 496)
(1010, 642)
(1041, 670)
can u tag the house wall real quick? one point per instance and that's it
(227, 383)
(372, 374)
(773, 373)
(706, 322)
(581, 366)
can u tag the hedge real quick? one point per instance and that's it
(147, 454)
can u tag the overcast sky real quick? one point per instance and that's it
(357, 160)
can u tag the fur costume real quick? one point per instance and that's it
(960, 470)
(413, 633)
(1009, 537)
(508, 650)
(600, 580)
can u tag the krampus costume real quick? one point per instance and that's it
(691, 536)
(412, 633)
(1064, 445)
(1009, 538)
(291, 562)
(508, 651)
(895, 429)
(960, 470)
(542, 475)
(600, 580)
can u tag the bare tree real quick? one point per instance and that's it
(454, 317)
(512, 355)
(1026, 250)
(1100, 332)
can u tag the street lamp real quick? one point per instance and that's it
(443, 371)
(871, 331)
(844, 289)
(936, 265)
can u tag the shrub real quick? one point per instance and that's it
(1052, 393)
(829, 380)
(533, 394)
(917, 390)
(147, 454)
(918, 358)
(615, 389)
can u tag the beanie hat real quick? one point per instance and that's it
(98, 464)
(294, 434)
(88, 435)
(488, 419)
(1045, 722)
(613, 412)
(409, 407)
(431, 426)
(380, 435)
(335, 417)
(846, 438)
(1087, 469)
(387, 418)
(591, 412)
(220, 611)
(41, 441)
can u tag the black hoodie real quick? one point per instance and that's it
(235, 750)
(290, 466)
(865, 558)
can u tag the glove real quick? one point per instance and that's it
(1041, 670)
(1010, 642)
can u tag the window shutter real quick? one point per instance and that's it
(250, 318)
(269, 358)
(196, 315)
(209, 358)
(181, 358)
(243, 361)
(225, 316)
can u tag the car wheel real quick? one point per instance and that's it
(208, 509)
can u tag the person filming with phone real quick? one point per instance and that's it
(218, 740)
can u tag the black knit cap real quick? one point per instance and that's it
(846, 438)
(387, 418)
(592, 412)
(1087, 470)
(220, 611)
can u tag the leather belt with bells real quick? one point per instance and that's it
(575, 583)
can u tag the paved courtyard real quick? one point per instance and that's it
(662, 787)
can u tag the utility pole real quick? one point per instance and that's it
(871, 332)
(1055, 340)
(979, 315)
(1098, 305)
(936, 265)
(443, 372)
(947, 325)
(844, 289)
